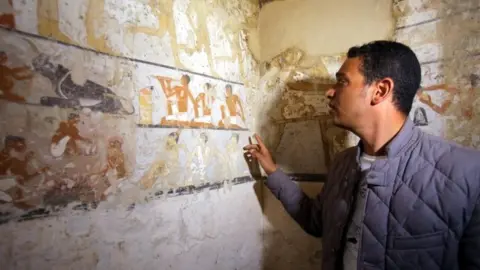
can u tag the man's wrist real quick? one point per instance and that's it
(271, 170)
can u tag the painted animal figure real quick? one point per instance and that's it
(72, 95)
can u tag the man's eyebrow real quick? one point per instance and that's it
(340, 74)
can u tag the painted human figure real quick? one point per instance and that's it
(7, 17)
(178, 98)
(466, 100)
(232, 111)
(199, 159)
(233, 154)
(427, 99)
(199, 25)
(12, 164)
(204, 102)
(67, 137)
(8, 76)
(165, 165)
(114, 170)
(163, 12)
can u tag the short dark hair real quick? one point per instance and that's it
(228, 86)
(382, 59)
(174, 135)
(186, 77)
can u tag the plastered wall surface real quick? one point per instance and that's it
(183, 232)
(86, 118)
(321, 27)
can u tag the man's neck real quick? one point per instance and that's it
(379, 134)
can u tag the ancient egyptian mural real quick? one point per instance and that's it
(67, 123)
(168, 98)
(201, 36)
(98, 101)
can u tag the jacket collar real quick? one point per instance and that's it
(397, 144)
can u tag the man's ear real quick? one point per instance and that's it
(383, 90)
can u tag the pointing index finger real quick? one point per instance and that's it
(259, 141)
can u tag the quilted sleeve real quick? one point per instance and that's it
(307, 212)
(470, 242)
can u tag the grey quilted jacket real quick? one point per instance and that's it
(422, 209)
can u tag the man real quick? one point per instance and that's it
(177, 101)
(230, 113)
(400, 199)
(67, 136)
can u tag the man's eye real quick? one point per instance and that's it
(341, 82)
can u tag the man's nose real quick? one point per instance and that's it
(330, 93)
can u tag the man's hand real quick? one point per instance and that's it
(261, 153)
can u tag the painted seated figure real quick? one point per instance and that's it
(204, 103)
(15, 172)
(67, 139)
(232, 112)
(178, 101)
